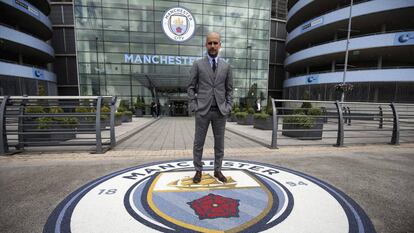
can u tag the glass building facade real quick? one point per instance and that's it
(122, 48)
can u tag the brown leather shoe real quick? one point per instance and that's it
(197, 177)
(220, 176)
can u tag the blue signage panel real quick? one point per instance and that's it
(312, 24)
(313, 79)
(404, 38)
(23, 5)
(38, 74)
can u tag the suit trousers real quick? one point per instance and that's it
(218, 123)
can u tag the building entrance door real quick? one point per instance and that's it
(179, 108)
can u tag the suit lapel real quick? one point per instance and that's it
(220, 67)
(210, 71)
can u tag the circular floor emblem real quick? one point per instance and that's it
(162, 197)
(178, 24)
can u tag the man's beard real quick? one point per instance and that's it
(210, 52)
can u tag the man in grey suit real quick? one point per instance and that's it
(210, 92)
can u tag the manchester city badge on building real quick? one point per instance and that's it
(178, 24)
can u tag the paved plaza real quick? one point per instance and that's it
(378, 177)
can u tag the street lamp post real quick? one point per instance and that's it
(249, 50)
(97, 66)
(346, 52)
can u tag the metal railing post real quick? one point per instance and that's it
(324, 113)
(112, 121)
(395, 140)
(98, 125)
(381, 119)
(275, 126)
(340, 137)
(344, 114)
(20, 126)
(4, 147)
(349, 115)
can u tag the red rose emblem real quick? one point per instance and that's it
(178, 30)
(215, 206)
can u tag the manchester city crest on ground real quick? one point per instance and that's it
(161, 197)
(178, 24)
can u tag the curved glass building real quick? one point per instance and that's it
(145, 48)
(380, 50)
(25, 52)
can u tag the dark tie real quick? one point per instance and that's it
(214, 65)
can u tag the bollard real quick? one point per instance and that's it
(381, 119)
(340, 136)
(4, 147)
(112, 121)
(275, 126)
(395, 140)
(349, 115)
(98, 125)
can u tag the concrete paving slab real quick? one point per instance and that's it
(378, 177)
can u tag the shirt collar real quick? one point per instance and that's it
(210, 59)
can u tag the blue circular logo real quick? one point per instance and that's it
(161, 197)
(178, 24)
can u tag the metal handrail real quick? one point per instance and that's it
(31, 127)
(377, 118)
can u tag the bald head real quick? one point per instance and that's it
(213, 35)
(213, 44)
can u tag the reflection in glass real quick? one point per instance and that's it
(134, 28)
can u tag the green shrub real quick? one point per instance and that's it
(126, 105)
(69, 122)
(261, 115)
(51, 122)
(105, 109)
(300, 120)
(269, 110)
(118, 114)
(121, 109)
(140, 104)
(250, 110)
(241, 115)
(315, 111)
(44, 122)
(303, 117)
(127, 113)
(55, 110)
(299, 111)
(83, 109)
(306, 105)
(34, 109)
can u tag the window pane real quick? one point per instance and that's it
(237, 2)
(114, 13)
(164, 5)
(281, 30)
(261, 4)
(112, 24)
(141, 26)
(115, 3)
(141, 4)
(193, 7)
(237, 12)
(214, 10)
(259, 14)
(213, 20)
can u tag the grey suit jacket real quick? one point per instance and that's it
(204, 83)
